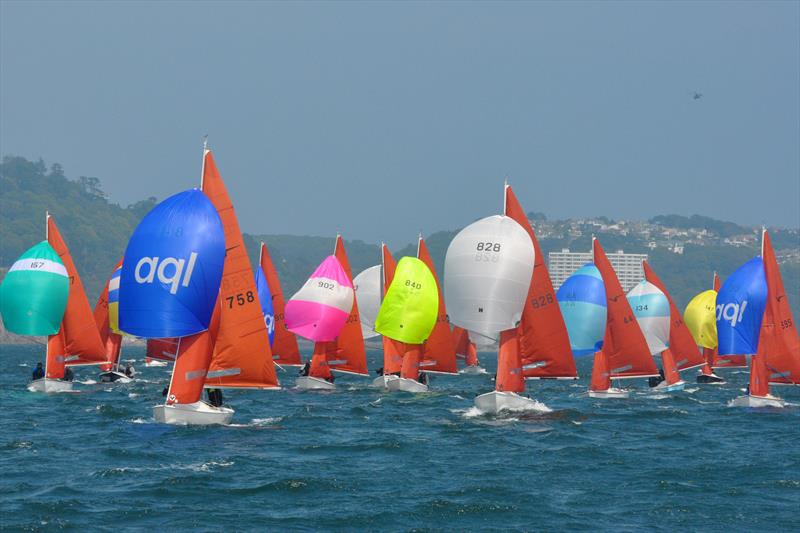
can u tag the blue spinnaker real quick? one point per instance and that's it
(265, 297)
(582, 299)
(740, 309)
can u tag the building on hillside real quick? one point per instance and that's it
(627, 266)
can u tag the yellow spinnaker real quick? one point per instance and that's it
(409, 309)
(700, 317)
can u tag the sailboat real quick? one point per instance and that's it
(285, 351)
(700, 317)
(776, 358)
(438, 350)
(392, 349)
(78, 342)
(543, 337)
(171, 274)
(582, 299)
(682, 346)
(625, 353)
(467, 350)
(488, 270)
(33, 299)
(652, 311)
(325, 310)
(106, 316)
(408, 315)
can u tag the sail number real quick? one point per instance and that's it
(240, 299)
(786, 324)
(326, 285)
(37, 264)
(628, 319)
(641, 307)
(541, 301)
(488, 247)
(410, 283)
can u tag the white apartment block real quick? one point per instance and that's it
(627, 266)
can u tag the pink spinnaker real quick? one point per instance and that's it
(319, 310)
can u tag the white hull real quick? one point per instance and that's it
(114, 377)
(406, 385)
(155, 362)
(609, 393)
(49, 385)
(309, 383)
(496, 401)
(758, 401)
(192, 414)
(663, 387)
(381, 381)
(472, 370)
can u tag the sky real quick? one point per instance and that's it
(380, 120)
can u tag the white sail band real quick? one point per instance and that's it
(39, 265)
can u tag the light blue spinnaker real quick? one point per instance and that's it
(582, 299)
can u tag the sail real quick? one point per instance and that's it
(740, 309)
(242, 355)
(265, 299)
(681, 343)
(543, 337)
(601, 376)
(408, 312)
(102, 317)
(412, 359)
(438, 352)
(700, 317)
(779, 344)
(488, 270)
(712, 355)
(651, 309)
(55, 363)
(367, 285)
(162, 349)
(347, 353)
(465, 348)
(284, 344)
(509, 363)
(34, 292)
(392, 349)
(624, 343)
(319, 310)
(671, 375)
(582, 299)
(172, 268)
(191, 367)
(82, 344)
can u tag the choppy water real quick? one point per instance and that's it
(357, 459)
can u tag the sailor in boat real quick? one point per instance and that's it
(423, 378)
(129, 370)
(38, 372)
(215, 397)
(68, 374)
(655, 380)
(305, 369)
(378, 371)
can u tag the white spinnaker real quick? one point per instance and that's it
(651, 308)
(368, 295)
(487, 273)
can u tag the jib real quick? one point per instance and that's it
(154, 268)
(731, 312)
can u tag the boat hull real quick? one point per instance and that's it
(674, 387)
(381, 381)
(710, 379)
(406, 385)
(494, 402)
(192, 414)
(612, 393)
(311, 383)
(472, 370)
(758, 401)
(114, 377)
(155, 362)
(49, 385)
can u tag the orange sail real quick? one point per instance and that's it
(162, 349)
(681, 343)
(543, 339)
(438, 352)
(242, 356)
(601, 376)
(54, 364)
(346, 353)
(191, 366)
(671, 374)
(624, 343)
(112, 341)
(778, 342)
(711, 354)
(82, 343)
(392, 349)
(411, 361)
(509, 363)
(465, 348)
(284, 344)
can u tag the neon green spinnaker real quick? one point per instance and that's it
(409, 309)
(700, 317)
(33, 295)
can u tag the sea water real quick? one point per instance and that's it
(358, 459)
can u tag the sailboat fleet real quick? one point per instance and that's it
(186, 285)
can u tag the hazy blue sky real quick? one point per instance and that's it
(381, 119)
